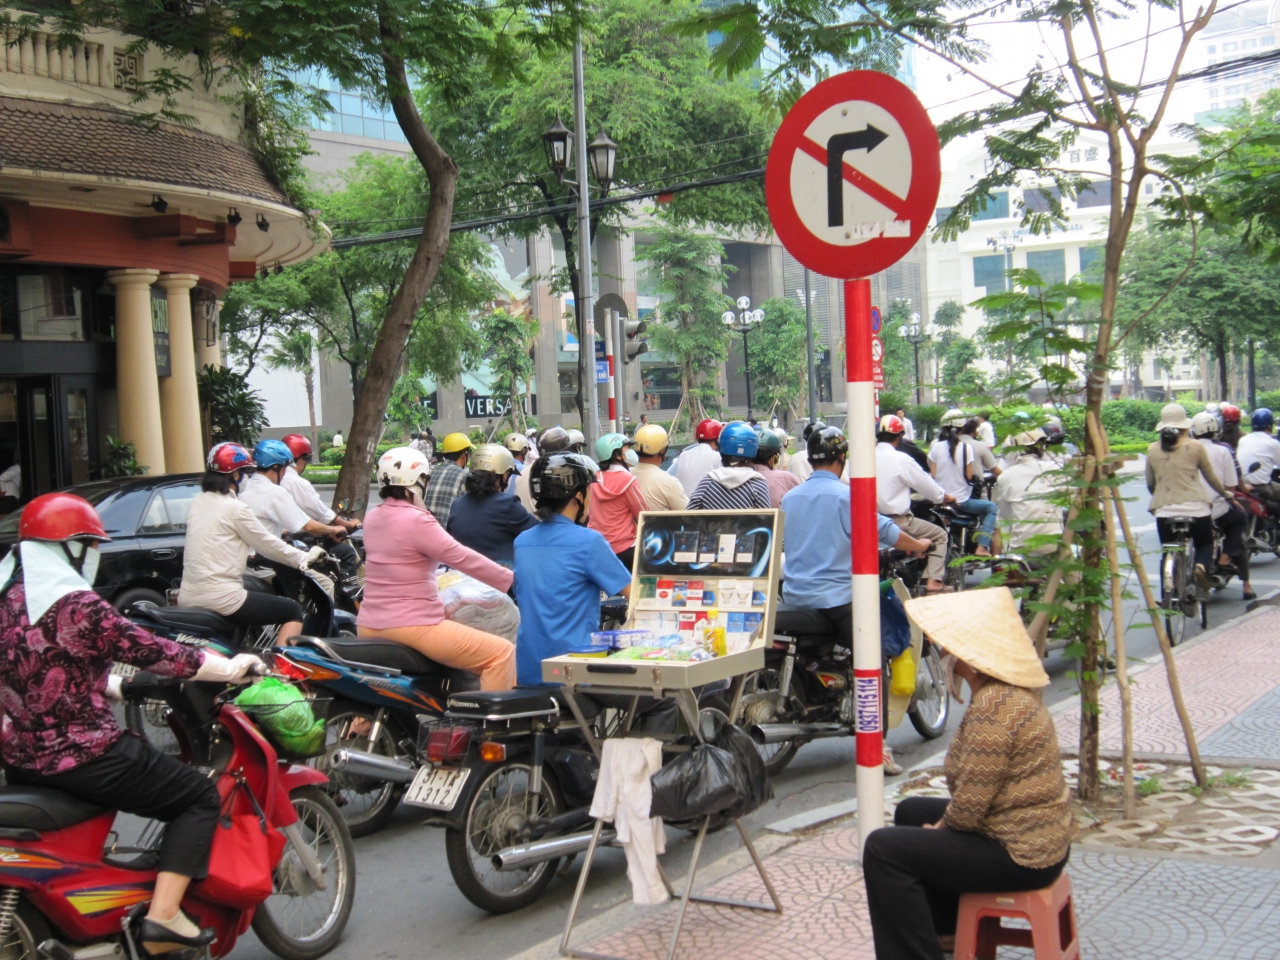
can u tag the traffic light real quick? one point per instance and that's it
(633, 347)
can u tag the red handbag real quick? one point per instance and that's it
(1252, 504)
(241, 861)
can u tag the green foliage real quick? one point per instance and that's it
(1150, 786)
(689, 275)
(927, 418)
(891, 400)
(1269, 399)
(121, 460)
(510, 337)
(779, 370)
(232, 410)
(899, 356)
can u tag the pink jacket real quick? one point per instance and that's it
(780, 481)
(404, 544)
(616, 502)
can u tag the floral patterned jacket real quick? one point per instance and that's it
(53, 677)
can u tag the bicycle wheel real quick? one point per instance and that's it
(1173, 577)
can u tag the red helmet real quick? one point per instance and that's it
(298, 445)
(228, 458)
(708, 430)
(1230, 413)
(59, 517)
(891, 423)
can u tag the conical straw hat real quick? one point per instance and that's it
(982, 628)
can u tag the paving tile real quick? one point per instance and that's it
(1253, 734)
(1215, 687)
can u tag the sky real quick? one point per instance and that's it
(947, 91)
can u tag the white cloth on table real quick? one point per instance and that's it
(624, 795)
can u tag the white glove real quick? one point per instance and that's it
(238, 669)
(314, 556)
(115, 688)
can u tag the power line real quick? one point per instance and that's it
(467, 225)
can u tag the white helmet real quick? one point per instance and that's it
(577, 439)
(1213, 409)
(1204, 424)
(954, 417)
(403, 467)
(516, 442)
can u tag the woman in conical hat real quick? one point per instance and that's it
(1008, 824)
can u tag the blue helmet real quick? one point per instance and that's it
(738, 439)
(271, 453)
(1262, 419)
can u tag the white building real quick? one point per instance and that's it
(1237, 33)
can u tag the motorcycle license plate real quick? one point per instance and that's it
(437, 788)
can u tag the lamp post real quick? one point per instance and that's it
(1004, 243)
(915, 334)
(600, 156)
(742, 322)
(806, 299)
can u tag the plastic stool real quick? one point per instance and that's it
(1051, 912)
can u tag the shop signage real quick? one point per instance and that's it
(160, 330)
(479, 407)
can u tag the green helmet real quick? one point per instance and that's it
(768, 446)
(609, 444)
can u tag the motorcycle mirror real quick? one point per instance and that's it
(341, 506)
(358, 504)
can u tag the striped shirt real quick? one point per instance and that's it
(711, 494)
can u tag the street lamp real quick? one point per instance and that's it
(915, 333)
(742, 322)
(600, 156)
(1005, 243)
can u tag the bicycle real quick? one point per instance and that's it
(1178, 595)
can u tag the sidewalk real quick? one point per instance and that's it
(1138, 895)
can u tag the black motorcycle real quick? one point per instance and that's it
(805, 691)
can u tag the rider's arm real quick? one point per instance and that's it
(1151, 476)
(317, 529)
(305, 496)
(251, 531)
(887, 532)
(924, 484)
(1206, 469)
(605, 569)
(433, 541)
(101, 629)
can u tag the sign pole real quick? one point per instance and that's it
(608, 357)
(620, 366)
(860, 428)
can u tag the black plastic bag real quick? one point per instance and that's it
(755, 785)
(704, 781)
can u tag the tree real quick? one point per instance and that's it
(510, 337)
(654, 94)
(899, 361)
(230, 408)
(1228, 299)
(690, 275)
(779, 365)
(295, 350)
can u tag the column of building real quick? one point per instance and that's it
(160, 416)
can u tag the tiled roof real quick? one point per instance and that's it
(98, 142)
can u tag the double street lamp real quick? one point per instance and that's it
(915, 333)
(742, 322)
(600, 155)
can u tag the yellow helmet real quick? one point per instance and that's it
(651, 439)
(454, 443)
(492, 457)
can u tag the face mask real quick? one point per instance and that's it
(83, 558)
(631, 456)
(90, 568)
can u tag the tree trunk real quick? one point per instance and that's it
(1252, 376)
(1221, 351)
(388, 349)
(310, 381)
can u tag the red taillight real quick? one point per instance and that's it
(301, 671)
(448, 743)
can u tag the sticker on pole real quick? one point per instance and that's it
(877, 363)
(853, 175)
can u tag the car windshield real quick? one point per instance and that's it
(95, 493)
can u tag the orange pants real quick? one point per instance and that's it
(459, 646)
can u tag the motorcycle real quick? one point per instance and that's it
(68, 892)
(349, 590)
(805, 691)
(1262, 535)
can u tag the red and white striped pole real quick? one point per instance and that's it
(608, 356)
(860, 427)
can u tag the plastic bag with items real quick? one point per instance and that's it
(285, 714)
(704, 781)
(470, 602)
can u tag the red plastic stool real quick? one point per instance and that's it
(1051, 912)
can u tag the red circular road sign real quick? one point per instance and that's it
(853, 175)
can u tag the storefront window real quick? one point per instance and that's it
(78, 434)
(51, 304)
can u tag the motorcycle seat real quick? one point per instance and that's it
(792, 620)
(194, 618)
(43, 808)
(374, 652)
(502, 704)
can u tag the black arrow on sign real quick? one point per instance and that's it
(837, 147)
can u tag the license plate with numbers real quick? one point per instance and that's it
(437, 788)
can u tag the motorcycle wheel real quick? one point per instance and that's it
(367, 805)
(299, 921)
(495, 815)
(28, 931)
(931, 706)
(760, 705)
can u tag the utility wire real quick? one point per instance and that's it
(393, 236)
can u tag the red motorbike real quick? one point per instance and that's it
(67, 893)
